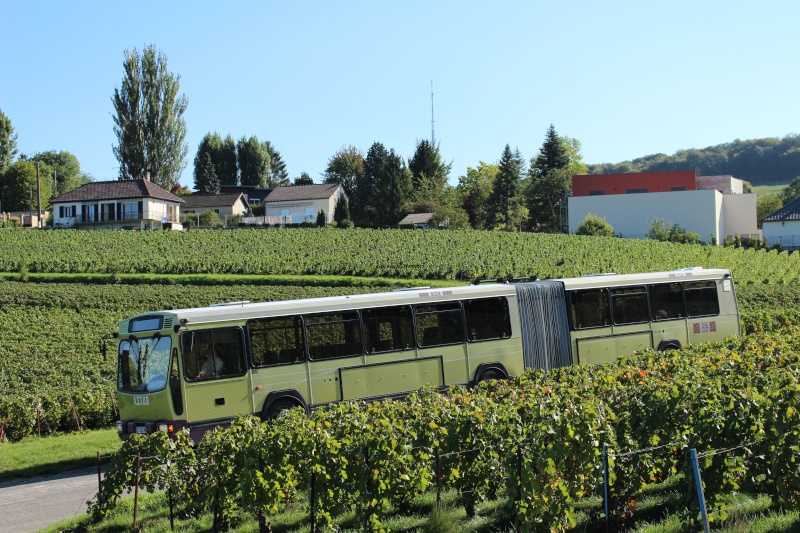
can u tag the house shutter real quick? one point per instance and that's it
(140, 210)
(83, 213)
(61, 211)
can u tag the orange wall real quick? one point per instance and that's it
(620, 183)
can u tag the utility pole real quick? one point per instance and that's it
(39, 197)
(55, 193)
(433, 137)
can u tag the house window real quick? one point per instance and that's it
(596, 193)
(286, 218)
(677, 188)
(255, 201)
(635, 191)
(309, 214)
(130, 212)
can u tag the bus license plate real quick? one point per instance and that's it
(141, 430)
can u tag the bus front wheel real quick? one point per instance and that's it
(279, 409)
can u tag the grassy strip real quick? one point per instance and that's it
(662, 512)
(55, 454)
(223, 279)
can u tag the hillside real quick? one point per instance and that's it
(768, 161)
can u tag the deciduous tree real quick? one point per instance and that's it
(474, 191)
(253, 160)
(303, 179)
(344, 167)
(64, 167)
(791, 192)
(18, 183)
(8, 142)
(148, 119)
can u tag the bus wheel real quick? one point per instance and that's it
(490, 375)
(280, 408)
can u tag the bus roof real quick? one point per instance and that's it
(240, 311)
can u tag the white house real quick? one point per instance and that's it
(301, 203)
(122, 204)
(713, 206)
(783, 226)
(222, 204)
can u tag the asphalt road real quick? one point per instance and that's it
(31, 504)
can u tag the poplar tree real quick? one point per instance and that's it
(148, 119)
(8, 142)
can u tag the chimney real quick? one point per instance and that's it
(147, 176)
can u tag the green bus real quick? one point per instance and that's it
(197, 368)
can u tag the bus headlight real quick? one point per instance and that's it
(119, 426)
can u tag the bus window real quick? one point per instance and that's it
(216, 354)
(487, 319)
(590, 309)
(388, 329)
(439, 324)
(629, 305)
(701, 298)
(276, 341)
(333, 335)
(666, 302)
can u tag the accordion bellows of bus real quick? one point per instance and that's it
(197, 368)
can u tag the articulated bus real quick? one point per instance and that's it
(197, 368)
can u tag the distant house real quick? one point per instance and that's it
(254, 195)
(223, 204)
(417, 220)
(783, 226)
(301, 203)
(139, 204)
(709, 205)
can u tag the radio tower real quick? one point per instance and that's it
(433, 137)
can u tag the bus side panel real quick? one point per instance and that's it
(280, 377)
(608, 348)
(453, 361)
(324, 378)
(217, 399)
(668, 330)
(505, 351)
(391, 378)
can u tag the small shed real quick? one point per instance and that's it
(222, 204)
(417, 220)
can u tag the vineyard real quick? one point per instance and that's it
(383, 253)
(54, 376)
(536, 441)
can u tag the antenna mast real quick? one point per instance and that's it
(433, 137)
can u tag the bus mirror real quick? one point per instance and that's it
(187, 341)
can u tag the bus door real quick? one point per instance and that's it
(441, 350)
(217, 381)
(593, 335)
(630, 314)
(334, 343)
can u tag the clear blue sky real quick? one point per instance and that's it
(627, 79)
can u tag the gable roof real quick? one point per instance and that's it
(416, 218)
(212, 200)
(790, 211)
(116, 190)
(302, 192)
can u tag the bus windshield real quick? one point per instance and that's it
(143, 364)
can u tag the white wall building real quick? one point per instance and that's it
(783, 226)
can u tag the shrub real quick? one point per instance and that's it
(661, 230)
(594, 225)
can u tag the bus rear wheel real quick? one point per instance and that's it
(279, 409)
(490, 375)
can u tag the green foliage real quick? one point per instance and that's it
(759, 161)
(277, 175)
(321, 219)
(209, 219)
(384, 187)
(64, 167)
(594, 225)
(538, 438)
(20, 187)
(474, 190)
(205, 176)
(661, 230)
(303, 179)
(8, 142)
(504, 204)
(253, 160)
(148, 119)
(342, 210)
(426, 163)
(344, 167)
(766, 204)
(791, 192)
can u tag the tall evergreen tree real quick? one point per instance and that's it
(503, 201)
(148, 120)
(278, 176)
(303, 179)
(205, 177)
(394, 187)
(365, 189)
(8, 142)
(342, 210)
(427, 163)
(253, 161)
(224, 158)
(550, 180)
